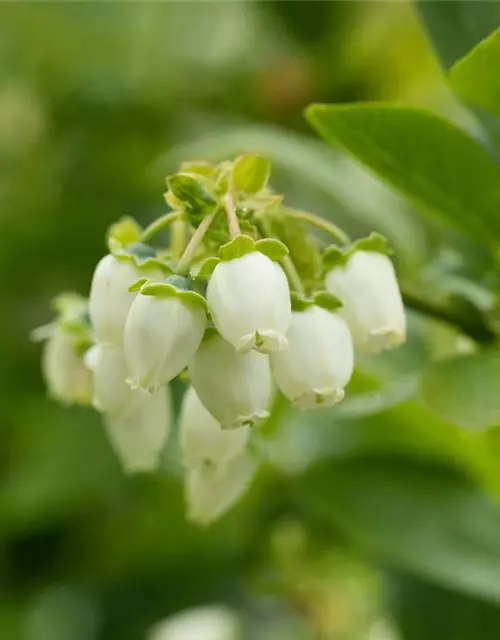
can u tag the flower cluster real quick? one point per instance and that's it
(244, 303)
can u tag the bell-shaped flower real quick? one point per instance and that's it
(318, 363)
(139, 436)
(234, 387)
(202, 623)
(110, 298)
(164, 329)
(211, 490)
(112, 395)
(249, 302)
(67, 378)
(373, 306)
(202, 438)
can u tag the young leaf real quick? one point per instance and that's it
(427, 158)
(476, 77)
(250, 173)
(190, 193)
(464, 390)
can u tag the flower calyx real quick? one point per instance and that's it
(173, 287)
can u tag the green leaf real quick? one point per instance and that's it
(476, 77)
(192, 196)
(421, 518)
(448, 613)
(200, 167)
(464, 390)
(237, 247)
(427, 158)
(250, 173)
(272, 248)
(455, 26)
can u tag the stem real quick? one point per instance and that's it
(178, 238)
(319, 223)
(232, 218)
(287, 263)
(160, 223)
(476, 329)
(193, 244)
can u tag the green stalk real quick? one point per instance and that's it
(159, 224)
(318, 222)
(193, 244)
(287, 263)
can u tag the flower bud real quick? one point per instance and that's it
(212, 490)
(234, 387)
(319, 360)
(139, 436)
(112, 395)
(162, 334)
(110, 299)
(202, 437)
(202, 623)
(249, 301)
(373, 307)
(67, 378)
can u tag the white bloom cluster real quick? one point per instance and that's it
(203, 623)
(239, 326)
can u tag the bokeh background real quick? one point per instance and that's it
(98, 103)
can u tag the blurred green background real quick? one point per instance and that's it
(372, 521)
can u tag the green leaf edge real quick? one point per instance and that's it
(323, 299)
(336, 257)
(241, 245)
(169, 290)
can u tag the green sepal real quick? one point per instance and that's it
(192, 195)
(210, 332)
(327, 300)
(336, 257)
(250, 174)
(123, 233)
(323, 299)
(243, 244)
(137, 285)
(274, 249)
(143, 257)
(207, 268)
(174, 287)
(375, 242)
(236, 248)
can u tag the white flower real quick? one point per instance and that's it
(202, 623)
(212, 490)
(67, 378)
(202, 437)
(112, 395)
(373, 307)
(162, 333)
(110, 300)
(319, 360)
(234, 387)
(249, 301)
(139, 436)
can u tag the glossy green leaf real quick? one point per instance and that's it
(191, 195)
(421, 518)
(448, 613)
(455, 27)
(427, 158)
(476, 77)
(465, 390)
